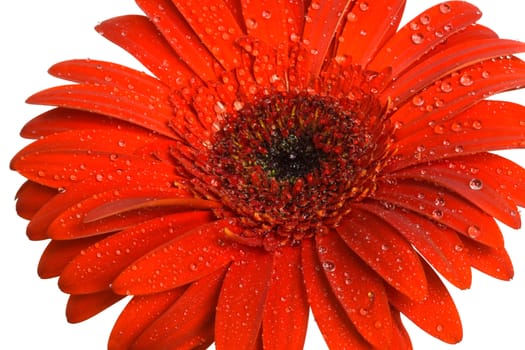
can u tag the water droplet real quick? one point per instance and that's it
(322, 250)
(458, 149)
(440, 202)
(351, 17)
(437, 214)
(473, 231)
(444, 8)
(446, 87)
(250, 23)
(315, 5)
(439, 129)
(476, 124)
(417, 38)
(363, 6)
(466, 80)
(475, 184)
(266, 14)
(328, 266)
(485, 74)
(385, 247)
(424, 19)
(439, 328)
(418, 101)
(193, 267)
(456, 127)
(458, 248)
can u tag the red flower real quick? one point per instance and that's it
(285, 155)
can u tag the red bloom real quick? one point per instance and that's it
(284, 155)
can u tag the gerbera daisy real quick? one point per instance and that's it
(279, 156)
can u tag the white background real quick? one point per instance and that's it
(34, 35)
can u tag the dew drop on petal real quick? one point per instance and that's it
(444, 8)
(424, 19)
(446, 87)
(475, 184)
(476, 124)
(417, 38)
(473, 231)
(466, 80)
(266, 14)
(439, 328)
(418, 101)
(363, 6)
(328, 266)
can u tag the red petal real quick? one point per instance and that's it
(384, 250)
(59, 253)
(216, 26)
(64, 119)
(90, 71)
(97, 266)
(334, 324)
(241, 302)
(368, 26)
(81, 307)
(475, 178)
(359, 290)
(324, 21)
(440, 205)
(180, 37)
(450, 96)
(492, 261)
(437, 315)
(447, 61)
(140, 312)
(184, 259)
(486, 126)
(401, 337)
(186, 318)
(267, 20)
(286, 311)
(31, 197)
(411, 42)
(114, 210)
(152, 112)
(137, 35)
(441, 247)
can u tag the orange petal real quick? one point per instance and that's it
(492, 261)
(324, 20)
(401, 338)
(359, 289)
(64, 119)
(486, 126)
(183, 321)
(90, 71)
(152, 112)
(437, 315)
(385, 251)
(440, 205)
(286, 311)
(82, 307)
(114, 210)
(334, 324)
(475, 178)
(31, 197)
(267, 20)
(137, 35)
(216, 27)
(241, 302)
(182, 260)
(413, 41)
(140, 312)
(180, 37)
(368, 26)
(447, 61)
(448, 97)
(440, 246)
(98, 265)
(58, 254)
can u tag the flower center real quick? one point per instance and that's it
(290, 164)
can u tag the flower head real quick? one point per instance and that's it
(281, 156)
